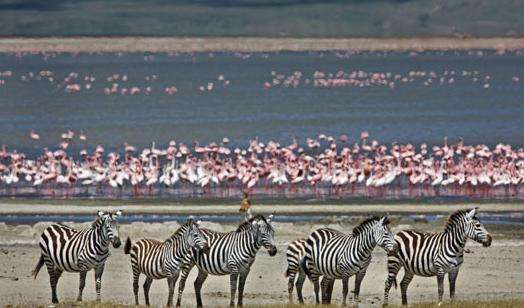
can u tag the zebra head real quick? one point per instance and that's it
(475, 230)
(109, 226)
(383, 235)
(264, 233)
(195, 237)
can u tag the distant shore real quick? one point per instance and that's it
(249, 44)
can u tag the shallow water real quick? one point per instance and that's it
(410, 112)
(515, 219)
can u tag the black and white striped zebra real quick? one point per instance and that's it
(66, 249)
(335, 255)
(232, 254)
(428, 254)
(295, 253)
(158, 260)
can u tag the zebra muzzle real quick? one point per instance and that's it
(272, 250)
(488, 240)
(116, 242)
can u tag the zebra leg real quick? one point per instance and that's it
(404, 286)
(98, 280)
(393, 268)
(325, 284)
(358, 282)
(182, 284)
(300, 284)
(345, 290)
(171, 281)
(290, 285)
(198, 286)
(241, 284)
(233, 280)
(147, 286)
(440, 283)
(330, 290)
(81, 286)
(136, 277)
(54, 275)
(452, 276)
(316, 287)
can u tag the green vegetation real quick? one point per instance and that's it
(263, 18)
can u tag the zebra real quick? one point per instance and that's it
(66, 249)
(335, 255)
(232, 254)
(427, 254)
(158, 260)
(295, 253)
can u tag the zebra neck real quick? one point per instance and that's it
(454, 239)
(361, 246)
(179, 245)
(248, 239)
(97, 236)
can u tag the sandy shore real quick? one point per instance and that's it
(250, 44)
(36, 208)
(488, 273)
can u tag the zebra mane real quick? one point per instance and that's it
(363, 225)
(182, 229)
(455, 218)
(96, 222)
(246, 224)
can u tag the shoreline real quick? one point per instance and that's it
(295, 209)
(249, 44)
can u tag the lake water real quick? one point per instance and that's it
(409, 112)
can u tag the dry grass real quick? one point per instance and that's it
(253, 44)
(502, 303)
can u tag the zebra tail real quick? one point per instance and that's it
(303, 265)
(287, 273)
(127, 246)
(395, 282)
(38, 266)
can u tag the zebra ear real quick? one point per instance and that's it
(118, 213)
(100, 213)
(198, 222)
(384, 220)
(269, 218)
(471, 213)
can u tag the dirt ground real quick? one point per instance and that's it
(488, 273)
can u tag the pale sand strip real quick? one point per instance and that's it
(250, 44)
(295, 209)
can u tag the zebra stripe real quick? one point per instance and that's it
(158, 260)
(335, 255)
(426, 254)
(232, 254)
(295, 253)
(66, 249)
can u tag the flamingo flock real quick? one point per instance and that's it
(122, 83)
(321, 166)
(360, 78)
